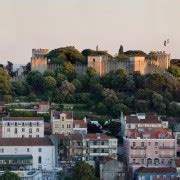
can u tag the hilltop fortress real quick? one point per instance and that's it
(159, 61)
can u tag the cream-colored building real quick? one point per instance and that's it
(22, 127)
(62, 122)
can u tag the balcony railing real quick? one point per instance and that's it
(138, 147)
(138, 156)
(166, 147)
(167, 156)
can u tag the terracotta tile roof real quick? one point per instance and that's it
(60, 136)
(25, 142)
(81, 123)
(156, 170)
(151, 133)
(44, 103)
(22, 119)
(149, 119)
(97, 136)
(69, 115)
(76, 136)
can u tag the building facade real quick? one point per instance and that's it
(149, 147)
(62, 122)
(22, 127)
(88, 147)
(26, 153)
(80, 126)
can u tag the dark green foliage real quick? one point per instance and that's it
(35, 80)
(66, 54)
(83, 171)
(9, 176)
(135, 53)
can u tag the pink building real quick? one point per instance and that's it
(149, 147)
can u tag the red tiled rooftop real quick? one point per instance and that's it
(44, 103)
(69, 115)
(81, 123)
(25, 142)
(150, 119)
(96, 136)
(153, 133)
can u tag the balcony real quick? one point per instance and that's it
(138, 156)
(167, 156)
(166, 147)
(138, 147)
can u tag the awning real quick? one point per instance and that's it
(16, 157)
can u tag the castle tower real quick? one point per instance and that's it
(38, 60)
(138, 64)
(98, 63)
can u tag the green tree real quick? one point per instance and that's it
(49, 73)
(175, 70)
(49, 83)
(21, 88)
(67, 88)
(101, 108)
(35, 80)
(158, 103)
(9, 68)
(9, 176)
(5, 85)
(83, 171)
(70, 54)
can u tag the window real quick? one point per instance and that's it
(134, 161)
(37, 129)
(30, 136)
(30, 130)
(1, 150)
(8, 124)
(149, 143)
(156, 152)
(30, 124)
(94, 150)
(23, 129)
(142, 144)
(39, 160)
(142, 161)
(15, 123)
(15, 130)
(37, 123)
(156, 143)
(27, 149)
(62, 125)
(8, 129)
(37, 136)
(62, 118)
(94, 143)
(134, 144)
(39, 150)
(102, 143)
(94, 60)
(22, 136)
(22, 124)
(56, 126)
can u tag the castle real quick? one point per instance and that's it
(156, 61)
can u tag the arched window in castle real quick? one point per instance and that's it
(94, 60)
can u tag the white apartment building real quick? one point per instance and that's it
(62, 122)
(99, 145)
(26, 153)
(22, 127)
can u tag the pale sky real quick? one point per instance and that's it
(137, 24)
